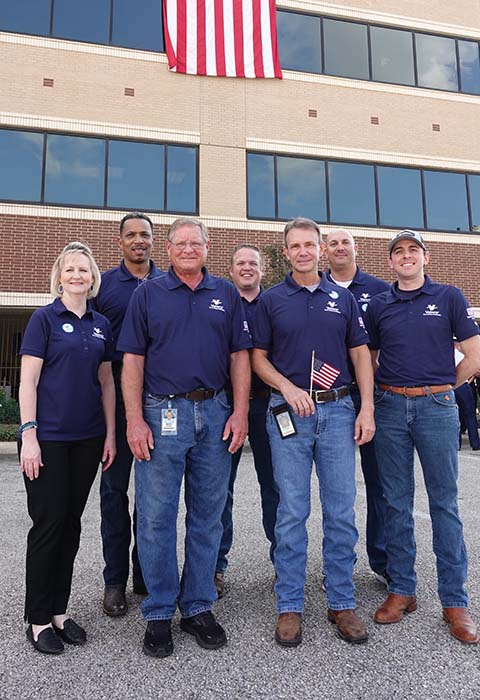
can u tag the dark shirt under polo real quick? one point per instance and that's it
(185, 335)
(118, 285)
(291, 322)
(414, 333)
(69, 395)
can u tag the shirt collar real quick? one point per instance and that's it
(358, 278)
(254, 301)
(427, 288)
(324, 284)
(124, 273)
(60, 308)
(173, 282)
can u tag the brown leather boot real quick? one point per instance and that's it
(394, 607)
(461, 625)
(219, 581)
(289, 629)
(349, 626)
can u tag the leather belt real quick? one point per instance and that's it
(416, 390)
(196, 395)
(326, 396)
(260, 394)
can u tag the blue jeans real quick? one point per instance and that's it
(376, 502)
(199, 454)
(262, 458)
(325, 438)
(116, 525)
(430, 425)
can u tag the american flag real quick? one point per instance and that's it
(232, 38)
(323, 375)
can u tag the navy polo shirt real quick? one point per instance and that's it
(363, 287)
(185, 335)
(291, 321)
(118, 285)
(69, 395)
(414, 333)
(250, 309)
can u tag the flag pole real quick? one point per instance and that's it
(311, 373)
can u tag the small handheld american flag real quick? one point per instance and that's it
(323, 374)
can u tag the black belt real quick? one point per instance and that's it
(196, 395)
(325, 396)
(260, 394)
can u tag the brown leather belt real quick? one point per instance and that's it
(197, 395)
(416, 390)
(326, 396)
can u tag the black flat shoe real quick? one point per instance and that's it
(206, 630)
(47, 642)
(158, 639)
(114, 601)
(71, 632)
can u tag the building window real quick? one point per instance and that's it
(283, 187)
(468, 52)
(446, 201)
(25, 16)
(136, 175)
(400, 197)
(392, 56)
(436, 62)
(352, 193)
(346, 49)
(97, 172)
(299, 42)
(20, 165)
(138, 24)
(74, 170)
(88, 20)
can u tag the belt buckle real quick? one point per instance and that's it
(317, 400)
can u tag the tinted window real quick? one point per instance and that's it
(75, 170)
(299, 42)
(20, 165)
(352, 193)
(138, 24)
(25, 16)
(301, 188)
(469, 66)
(261, 186)
(88, 20)
(436, 62)
(135, 175)
(392, 56)
(474, 187)
(446, 201)
(346, 51)
(181, 179)
(400, 197)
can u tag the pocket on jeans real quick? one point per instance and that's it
(223, 400)
(379, 395)
(445, 398)
(152, 401)
(347, 402)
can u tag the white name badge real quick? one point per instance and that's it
(169, 421)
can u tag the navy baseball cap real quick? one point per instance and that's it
(406, 236)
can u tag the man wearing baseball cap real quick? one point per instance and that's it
(411, 328)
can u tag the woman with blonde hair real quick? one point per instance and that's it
(67, 408)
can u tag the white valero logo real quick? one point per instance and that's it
(332, 306)
(364, 299)
(67, 327)
(432, 310)
(98, 333)
(216, 305)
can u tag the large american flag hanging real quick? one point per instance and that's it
(233, 38)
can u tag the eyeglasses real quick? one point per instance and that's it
(194, 245)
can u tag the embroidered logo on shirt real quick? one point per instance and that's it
(333, 294)
(216, 305)
(332, 306)
(364, 299)
(245, 327)
(471, 313)
(98, 333)
(432, 310)
(67, 327)
(361, 323)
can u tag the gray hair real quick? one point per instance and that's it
(184, 221)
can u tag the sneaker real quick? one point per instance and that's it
(158, 639)
(219, 581)
(206, 630)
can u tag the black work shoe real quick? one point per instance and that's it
(206, 630)
(71, 633)
(158, 639)
(47, 642)
(139, 587)
(114, 601)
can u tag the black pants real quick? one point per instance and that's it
(56, 501)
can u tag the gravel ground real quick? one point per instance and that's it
(414, 659)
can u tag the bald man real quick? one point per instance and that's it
(340, 249)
